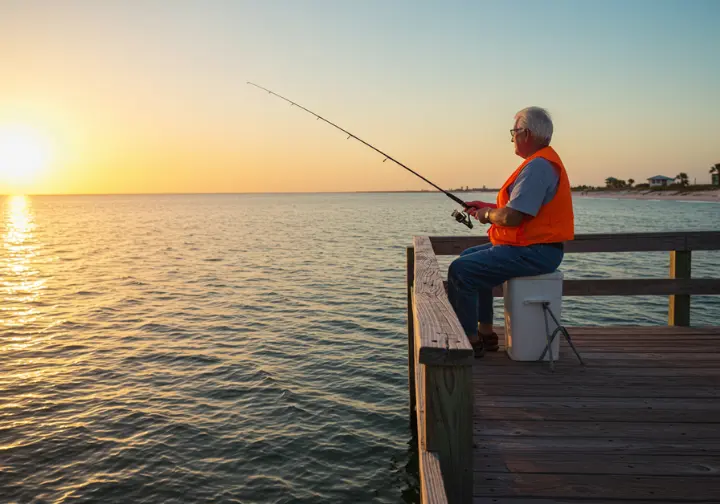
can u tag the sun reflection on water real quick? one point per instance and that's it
(18, 276)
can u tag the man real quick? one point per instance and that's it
(532, 218)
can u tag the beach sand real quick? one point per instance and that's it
(710, 195)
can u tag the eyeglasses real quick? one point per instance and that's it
(514, 131)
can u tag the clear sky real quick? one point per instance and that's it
(151, 96)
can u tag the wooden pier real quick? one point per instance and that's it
(639, 423)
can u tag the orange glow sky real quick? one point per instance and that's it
(137, 97)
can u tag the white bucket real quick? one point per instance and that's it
(525, 334)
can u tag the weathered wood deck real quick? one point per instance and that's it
(639, 423)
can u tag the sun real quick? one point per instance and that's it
(24, 153)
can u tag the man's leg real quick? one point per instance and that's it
(477, 248)
(485, 319)
(472, 276)
(482, 295)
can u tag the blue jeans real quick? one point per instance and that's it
(473, 275)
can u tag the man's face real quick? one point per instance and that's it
(521, 139)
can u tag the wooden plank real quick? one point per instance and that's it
(612, 337)
(601, 386)
(642, 287)
(635, 287)
(610, 378)
(627, 242)
(688, 406)
(410, 276)
(666, 348)
(602, 242)
(420, 404)
(648, 330)
(453, 245)
(562, 367)
(594, 413)
(426, 268)
(679, 302)
(630, 350)
(654, 358)
(612, 430)
(606, 362)
(431, 482)
(442, 340)
(448, 426)
(685, 342)
(432, 488)
(661, 346)
(604, 487)
(655, 390)
(508, 445)
(706, 240)
(598, 463)
(555, 500)
(630, 361)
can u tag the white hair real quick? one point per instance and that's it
(537, 120)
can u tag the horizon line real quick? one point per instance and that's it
(244, 193)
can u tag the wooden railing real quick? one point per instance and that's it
(679, 286)
(440, 357)
(440, 364)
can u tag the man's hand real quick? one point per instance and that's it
(476, 208)
(479, 204)
(482, 215)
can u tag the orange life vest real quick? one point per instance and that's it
(554, 222)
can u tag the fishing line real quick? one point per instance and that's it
(461, 217)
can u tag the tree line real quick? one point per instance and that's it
(680, 179)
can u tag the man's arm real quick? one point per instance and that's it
(506, 216)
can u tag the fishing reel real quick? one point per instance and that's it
(463, 218)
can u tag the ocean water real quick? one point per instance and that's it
(242, 348)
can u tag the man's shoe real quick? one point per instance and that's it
(490, 341)
(478, 347)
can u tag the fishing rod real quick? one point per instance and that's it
(462, 217)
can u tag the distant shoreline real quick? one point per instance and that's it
(711, 195)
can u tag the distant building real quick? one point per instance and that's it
(660, 181)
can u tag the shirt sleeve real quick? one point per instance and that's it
(535, 185)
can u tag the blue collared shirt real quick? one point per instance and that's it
(535, 186)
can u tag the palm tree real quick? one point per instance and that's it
(613, 183)
(682, 178)
(631, 182)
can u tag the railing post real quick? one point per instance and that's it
(679, 307)
(410, 254)
(448, 426)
